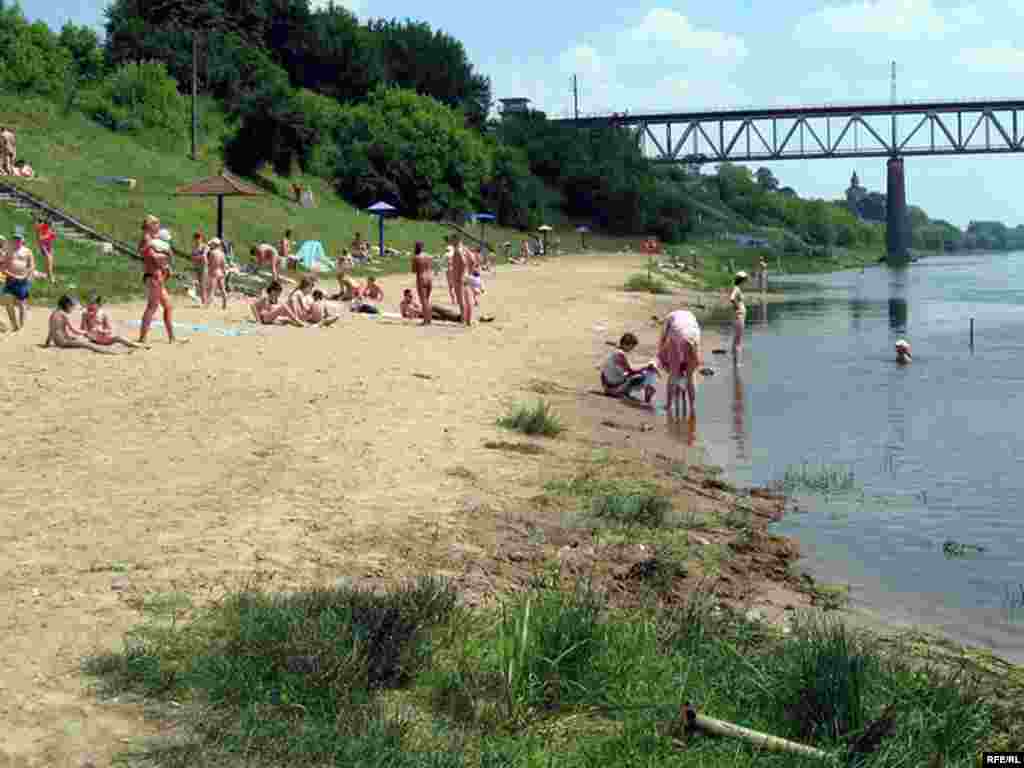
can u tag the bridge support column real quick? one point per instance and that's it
(897, 234)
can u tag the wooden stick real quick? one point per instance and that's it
(758, 739)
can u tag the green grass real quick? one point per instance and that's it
(70, 153)
(550, 678)
(718, 260)
(537, 419)
(825, 479)
(642, 282)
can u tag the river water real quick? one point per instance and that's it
(934, 447)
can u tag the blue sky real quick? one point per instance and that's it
(674, 55)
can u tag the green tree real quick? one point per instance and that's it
(33, 60)
(87, 58)
(766, 179)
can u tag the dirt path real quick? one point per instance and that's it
(305, 455)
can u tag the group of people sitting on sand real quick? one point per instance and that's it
(94, 330)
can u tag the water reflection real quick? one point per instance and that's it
(739, 432)
(898, 309)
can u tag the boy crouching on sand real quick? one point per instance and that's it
(619, 378)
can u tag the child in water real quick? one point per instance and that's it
(903, 352)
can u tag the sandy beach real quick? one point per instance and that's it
(289, 457)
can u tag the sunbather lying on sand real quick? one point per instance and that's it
(270, 311)
(410, 309)
(62, 331)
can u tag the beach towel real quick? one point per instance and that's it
(312, 256)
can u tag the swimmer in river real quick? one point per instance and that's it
(903, 352)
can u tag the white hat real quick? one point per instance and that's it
(741, 275)
(902, 344)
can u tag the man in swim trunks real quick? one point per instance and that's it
(423, 269)
(97, 326)
(17, 268)
(267, 255)
(217, 270)
(62, 331)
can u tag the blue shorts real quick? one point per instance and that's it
(17, 288)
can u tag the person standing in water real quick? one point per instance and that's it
(156, 256)
(903, 352)
(740, 309)
(679, 353)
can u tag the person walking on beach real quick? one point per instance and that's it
(156, 255)
(17, 266)
(679, 353)
(423, 269)
(740, 310)
(45, 235)
(216, 272)
(200, 251)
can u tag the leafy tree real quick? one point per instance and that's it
(766, 179)
(734, 181)
(342, 58)
(87, 58)
(33, 59)
(432, 63)
(412, 151)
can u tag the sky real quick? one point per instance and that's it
(681, 55)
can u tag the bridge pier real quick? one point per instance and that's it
(897, 230)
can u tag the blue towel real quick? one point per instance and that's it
(311, 253)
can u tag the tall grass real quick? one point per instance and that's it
(646, 283)
(536, 419)
(822, 479)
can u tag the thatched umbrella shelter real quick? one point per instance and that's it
(220, 186)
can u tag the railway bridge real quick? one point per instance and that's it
(892, 131)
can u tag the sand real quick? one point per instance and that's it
(297, 456)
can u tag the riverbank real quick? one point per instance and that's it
(361, 454)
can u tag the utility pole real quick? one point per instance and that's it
(195, 90)
(892, 93)
(575, 97)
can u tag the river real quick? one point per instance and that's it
(933, 447)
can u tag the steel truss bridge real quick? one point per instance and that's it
(975, 127)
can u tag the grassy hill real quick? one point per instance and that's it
(70, 153)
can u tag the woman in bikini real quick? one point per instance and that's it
(97, 327)
(679, 353)
(156, 256)
(740, 308)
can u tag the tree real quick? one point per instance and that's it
(343, 59)
(432, 63)
(87, 58)
(33, 60)
(766, 179)
(733, 182)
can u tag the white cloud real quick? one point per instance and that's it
(998, 58)
(846, 25)
(615, 72)
(662, 25)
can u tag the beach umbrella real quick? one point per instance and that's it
(544, 229)
(381, 210)
(483, 218)
(583, 229)
(220, 186)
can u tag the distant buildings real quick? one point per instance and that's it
(865, 205)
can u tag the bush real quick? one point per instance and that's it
(647, 509)
(141, 99)
(535, 420)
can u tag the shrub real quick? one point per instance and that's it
(643, 283)
(646, 509)
(141, 99)
(533, 420)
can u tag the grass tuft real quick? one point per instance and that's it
(824, 479)
(537, 419)
(644, 509)
(644, 283)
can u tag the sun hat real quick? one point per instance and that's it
(741, 275)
